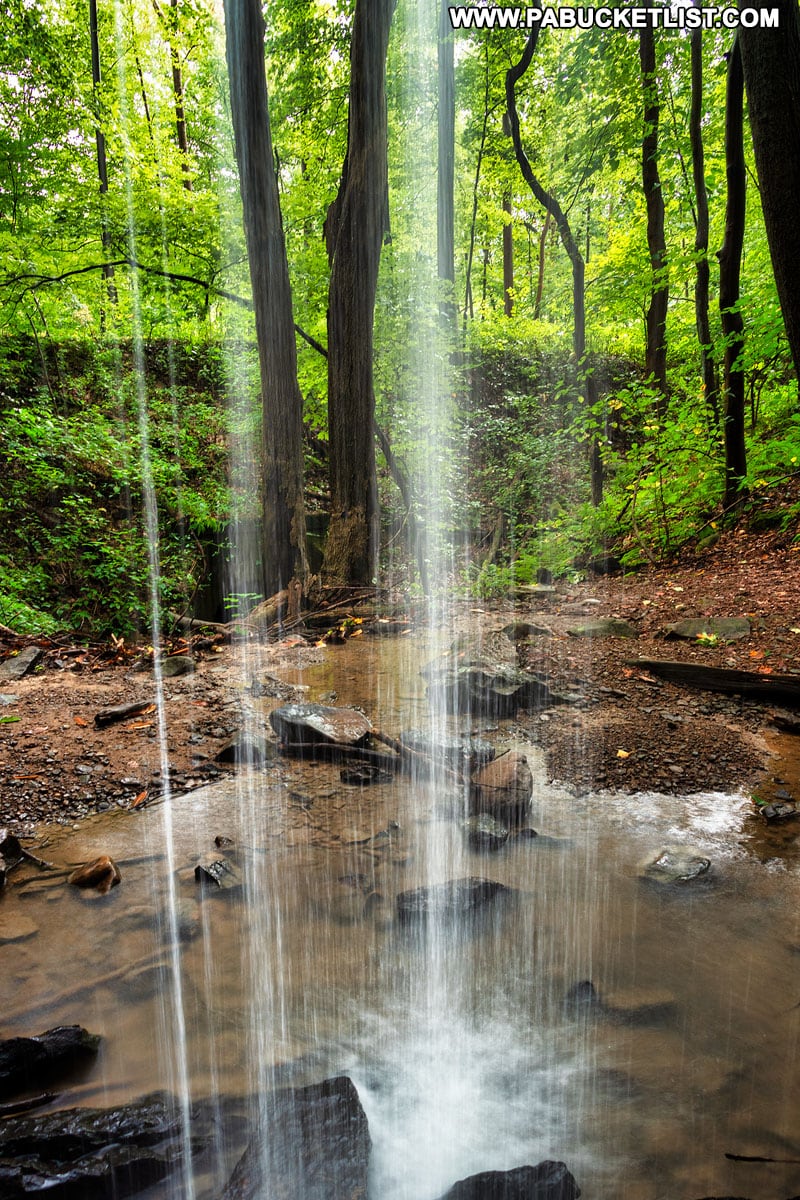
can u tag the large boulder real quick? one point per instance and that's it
(503, 789)
(546, 1181)
(315, 1146)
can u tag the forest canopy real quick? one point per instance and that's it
(553, 316)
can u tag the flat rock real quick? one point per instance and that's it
(676, 864)
(520, 631)
(547, 1181)
(7, 699)
(16, 929)
(727, 629)
(604, 627)
(639, 1006)
(449, 900)
(306, 724)
(246, 749)
(177, 664)
(314, 1145)
(457, 753)
(18, 666)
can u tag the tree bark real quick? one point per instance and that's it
(537, 305)
(771, 63)
(702, 277)
(100, 149)
(656, 347)
(284, 545)
(354, 233)
(170, 26)
(730, 263)
(551, 205)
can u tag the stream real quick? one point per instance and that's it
(465, 1051)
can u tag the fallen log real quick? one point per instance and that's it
(121, 712)
(785, 688)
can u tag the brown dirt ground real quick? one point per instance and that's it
(627, 732)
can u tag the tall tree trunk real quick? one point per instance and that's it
(537, 305)
(170, 24)
(508, 258)
(771, 63)
(282, 438)
(100, 149)
(551, 205)
(468, 304)
(354, 233)
(701, 286)
(445, 246)
(656, 348)
(730, 262)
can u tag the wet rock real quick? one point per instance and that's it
(18, 666)
(604, 627)
(315, 1144)
(727, 629)
(449, 900)
(307, 724)
(29, 1062)
(503, 789)
(546, 1181)
(773, 813)
(177, 664)
(485, 834)
(475, 687)
(246, 749)
(91, 1153)
(676, 864)
(582, 996)
(639, 1006)
(102, 874)
(363, 774)
(456, 753)
(218, 872)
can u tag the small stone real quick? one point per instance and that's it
(6, 698)
(177, 664)
(218, 872)
(485, 834)
(676, 864)
(101, 874)
(246, 749)
(19, 665)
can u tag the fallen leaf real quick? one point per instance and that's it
(756, 653)
(624, 753)
(80, 721)
(140, 799)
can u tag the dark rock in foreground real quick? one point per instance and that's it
(315, 1146)
(307, 724)
(19, 665)
(546, 1181)
(91, 1153)
(449, 900)
(28, 1062)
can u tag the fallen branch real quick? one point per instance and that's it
(785, 688)
(121, 712)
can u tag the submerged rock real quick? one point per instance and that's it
(676, 864)
(449, 900)
(307, 724)
(485, 834)
(315, 1145)
(456, 752)
(218, 872)
(547, 1181)
(28, 1062)
(477, 687)
(246, 749)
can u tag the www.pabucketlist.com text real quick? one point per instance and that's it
(503, 16)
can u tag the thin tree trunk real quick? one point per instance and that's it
(730, 262)
(445, 250)
(702, 277)
(771, 63)
(468, 304)
(537, 307)
(656, 347)
(354, 233)
(102, 166)
(549, 202)
(508, 258)
(285, 555)
(170, 25)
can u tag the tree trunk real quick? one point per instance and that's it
(537, 305)
(284, 545)
(701, 286)
(354, 233)
(170, 25)
(730, 262)
(102, 167)
(508, 258)
(551, 205)
(445, 250)
(656, 348)
(771, 63)
(468, 304)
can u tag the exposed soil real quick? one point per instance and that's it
(627, 731)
